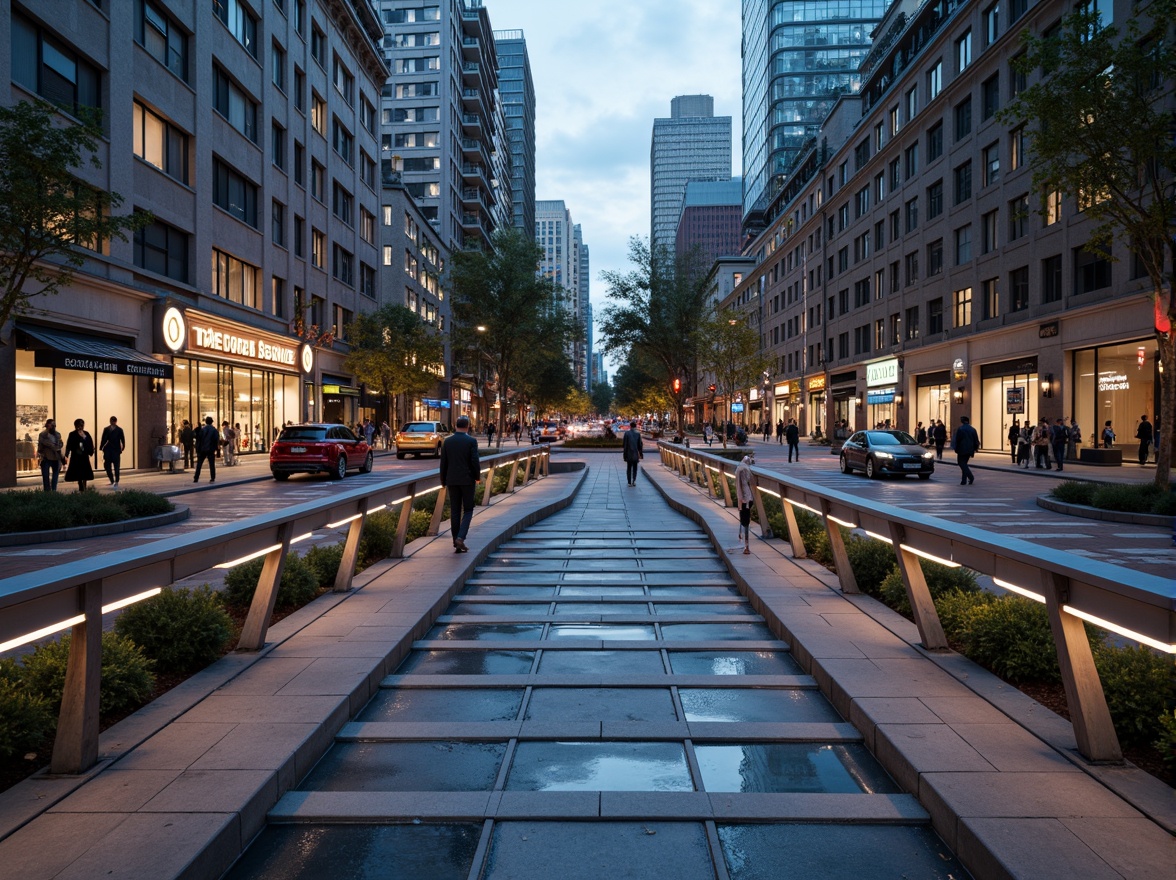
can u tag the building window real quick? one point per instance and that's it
(343, 266)
(990, 96)
(318, 181)
(990, 291)
(912, 160)
(299, 164)
(1019, 289)
(991, 24)
(935, 316)
(235, 280)
(278, 66)
(1018, 217)
(935, 257)
(912, 322)
(895, 174)
(300, 17)
(1017, 146)
(1017, 77)
(1051, 279)
(234, 104)
(367, 280)
(343, 142)
(912, 215)
(1053, 207)
(962, 300)
(963, 244)
(162, 249)
(277, 296)
(52, 69)
(964, 51)
(367, 226)
(344, 81)
(240, 22)
(934, 80)
(299, 236)
(234, 193)
(912, 102)
(992, 163)
(935, 199)
(880, 334)
(341, 203)
(162, 39)
(387, 250)
(278, 223)
(318, 114)
(318, 249)
(160, 143)
(988, 226)
(963, 119)
(861, 339)
(278, 146)
(1091, 272)
(299, 90)
(934, 142)
(340, 320)
(912, 268)
(318, 45)
(861, 293)
(963, 183)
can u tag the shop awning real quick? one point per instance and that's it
(71, 351)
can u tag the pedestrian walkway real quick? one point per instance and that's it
(600, 701)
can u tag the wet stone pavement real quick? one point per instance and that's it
(599, 702)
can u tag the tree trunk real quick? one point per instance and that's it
(1167, 416)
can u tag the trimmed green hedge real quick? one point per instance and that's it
(181, 630)
(1119, 497)
(25, 510)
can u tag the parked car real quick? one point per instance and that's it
(878, 453)
(420, 438)
(551, 430)
(319, 449)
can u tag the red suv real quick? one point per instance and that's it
(318, 449)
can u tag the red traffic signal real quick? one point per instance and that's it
(677, 385)
(712, 388)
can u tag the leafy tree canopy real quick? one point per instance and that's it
(394, 351)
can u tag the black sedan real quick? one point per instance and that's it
(879, 453)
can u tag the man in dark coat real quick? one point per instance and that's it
(632, 449)
(939, 435)
(792, 435)
(112, 444)
(207, 442)
(1144, 435)
(966, 443)
(461, 471)
(188, 441)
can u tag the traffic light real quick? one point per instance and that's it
(712, 388)
(677, 385)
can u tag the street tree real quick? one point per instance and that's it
(654, 311)
(544, 379)
(502, 306)
(602, 398)
(1099, 126)
(731, 353)
(50, 220)
(394, 351)
(640, 387)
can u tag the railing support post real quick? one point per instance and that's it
(351, 550)
(438, 512)
(402, 526)
(75, 747)
(840, 557)
(1093, 729)
(726, 486)
(514, 475)
(795, 538)
(922, 606)
(261, 609)
(765, 526)
(488, 487)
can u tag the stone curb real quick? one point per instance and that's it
(78, 533)
(1115, 516)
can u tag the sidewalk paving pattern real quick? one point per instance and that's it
(600, 701)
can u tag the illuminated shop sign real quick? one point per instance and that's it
(882, 373)
(817, 383)
(1113, 381)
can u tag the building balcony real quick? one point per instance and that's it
(471, 73)
(472, 173)
(471, 48)
(471, 123)
(472, 149)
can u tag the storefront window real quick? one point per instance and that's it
(932, 400)
(1115, 383)
(1009, 392)
(817, 409)
(260, 401)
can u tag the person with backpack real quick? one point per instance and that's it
(1059, 439)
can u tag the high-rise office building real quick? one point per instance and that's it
(564, 258)
(712, 217)
(253, 140)
(692, 144)
(440, 119)
(518, 103)
(798, 58)
(586, 312)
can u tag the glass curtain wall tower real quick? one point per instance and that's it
(518, 103)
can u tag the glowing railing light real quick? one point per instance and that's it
(769, 492)
(1120, 630)
(378, 509)
(805, 506)
(929, 556)
(250, 557)
(74, 621)
(842, 522)
(344, 522)
(399, 501)
(302, 538)
(1020, 591)
(878, 537)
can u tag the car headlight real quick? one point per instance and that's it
(883, 455)
(928, 456)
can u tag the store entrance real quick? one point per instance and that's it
(1008, 394)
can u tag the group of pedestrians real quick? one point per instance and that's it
(75, 454)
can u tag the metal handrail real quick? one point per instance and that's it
(1137, 605)
(76, 594)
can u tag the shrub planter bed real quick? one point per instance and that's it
(61, 516)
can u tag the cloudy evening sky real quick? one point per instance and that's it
(603, 71)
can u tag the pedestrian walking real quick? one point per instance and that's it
(386, 434)
(632, 450)
(207, 443)
(966, 444)
(1059, 439)
(780, 432)
(1014, 439)
(939, 434)
(112, 444)
(792, 435)
(1075, 440)
(767, 430)
(1108, 435)
(79, 446)
(920, 434)
(188, 441)
(1025, 446)
(228, 444)
(49, 449)
(1143, 433)
(1041, 443)
(743, 495)
(490, 434)
(461, 471)
(708, 434)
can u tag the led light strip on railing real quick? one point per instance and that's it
(805, 506)
(878, 537)
(929, 556)
(842, 522)
(264, 551)
(770, 492)
(74, 621)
